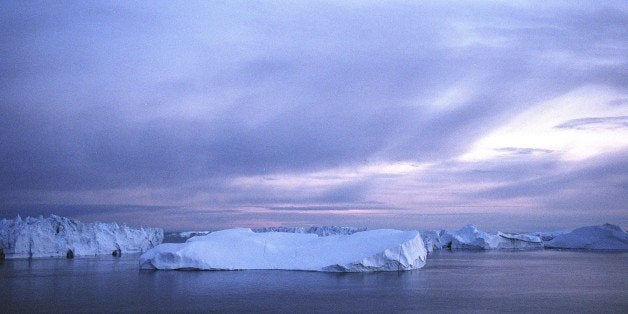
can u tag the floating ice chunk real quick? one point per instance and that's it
(517, 241)
(436, 239)
(59, 236)
(547, 236)
(189, 234)
(235, 249)
(471, 238)
(604, 237)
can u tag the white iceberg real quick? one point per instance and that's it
(547, 236)
(518, 241)
(238, 249)
(604, 237)
(436, 239)
(189, 234)
(60, 236)
(471, 238)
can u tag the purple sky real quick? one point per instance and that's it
(511, 115)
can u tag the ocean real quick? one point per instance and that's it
(495, 281)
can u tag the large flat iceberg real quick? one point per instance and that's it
(238, 249)
(604, 237)
(60, 236)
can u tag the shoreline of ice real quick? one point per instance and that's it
(605, 237)
(56, 236)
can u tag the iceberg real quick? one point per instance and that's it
(547, 236)
(518, 241)
(604, 237)
(59, 236)
(189, 234)
(471, 238)
(320, 231)
(436, 239)
(239, 249)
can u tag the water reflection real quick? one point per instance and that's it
(497, 281)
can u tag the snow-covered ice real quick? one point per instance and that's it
(547, 236)
(471, 238)
(604, 237)
(56, 236)
(519, 241)
(188, 234)
(436, 239)
(237, 249)
(320, 231)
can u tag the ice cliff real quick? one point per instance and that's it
(471, 238)
(604, 237)
(60, 236)
(237, 249)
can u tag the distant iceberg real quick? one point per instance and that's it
(319, 231)
(189, 234)
(547, 236)
(604, 237)
(238, 249)
(60, 236)
(471, 238)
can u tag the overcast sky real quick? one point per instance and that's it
(511, 115)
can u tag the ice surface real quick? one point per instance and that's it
(436, 239)
(604, 237)
(320, 231)
(547, 236)
(235, 249)
(54, 236)
(471, 238)
(188, 234)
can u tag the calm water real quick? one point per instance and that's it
(547, 281)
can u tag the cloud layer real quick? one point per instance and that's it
(246, 111)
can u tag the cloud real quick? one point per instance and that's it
(523, 150)
(192, 104)
(595, 123)
(537, 128)
(334, 207)
(598, 184)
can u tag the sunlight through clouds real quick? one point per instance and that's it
(538, 129)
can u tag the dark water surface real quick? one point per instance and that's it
(537, 281)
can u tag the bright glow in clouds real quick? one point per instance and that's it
(321, 180)
(544, 128)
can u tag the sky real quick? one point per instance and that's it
(185, 115)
